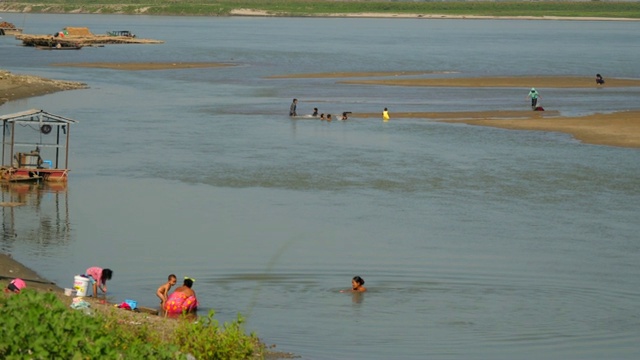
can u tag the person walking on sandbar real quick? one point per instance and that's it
(534, 95)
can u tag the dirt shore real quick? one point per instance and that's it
(13, 86)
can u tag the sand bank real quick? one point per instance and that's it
(400, 79)
(13, 87)
(620, 129)
(146, 65)
(519, 81)
(616, 129)
(354, 74)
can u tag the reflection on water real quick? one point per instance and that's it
(35, 213)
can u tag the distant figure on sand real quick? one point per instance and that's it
(293, 107)
(15, 286)
(356, 285)
(163, 291)
(315, 112)
(533, 94)
(599, 80)
(183, 299)
(385, 115)
(98, 278)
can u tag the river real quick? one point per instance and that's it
(475, 243)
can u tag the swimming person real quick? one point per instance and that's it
(385, 115)
(98, 278)
(533, 94)
(163, 291)
(183, 299)
(356, 285)
(322, 116)
(329, 117)
(293, 107)
(315, 112)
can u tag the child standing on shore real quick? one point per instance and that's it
(163, 291)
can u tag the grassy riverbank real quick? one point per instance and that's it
(569, 9)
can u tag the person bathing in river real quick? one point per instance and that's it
(356, 285)
(183, 299)
(163, 291)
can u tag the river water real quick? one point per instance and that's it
(475, 243)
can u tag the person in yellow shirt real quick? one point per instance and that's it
(385, 115)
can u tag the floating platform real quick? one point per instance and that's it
(10, 31)
(80, 41)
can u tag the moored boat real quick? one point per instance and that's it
(37, 149)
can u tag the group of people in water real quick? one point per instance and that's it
(293, 111)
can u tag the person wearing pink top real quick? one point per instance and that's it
(16, 285)
(99, 277)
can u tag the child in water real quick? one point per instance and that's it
(163, 291)
(356, 285)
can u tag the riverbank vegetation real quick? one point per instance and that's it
(602, 9)
(38, 325)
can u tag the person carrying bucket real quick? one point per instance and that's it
(98, 278)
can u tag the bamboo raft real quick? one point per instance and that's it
(80, 41)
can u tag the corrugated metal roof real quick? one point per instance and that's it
(35, 115)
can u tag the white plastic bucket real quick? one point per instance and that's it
(69, 292)
(81, 284)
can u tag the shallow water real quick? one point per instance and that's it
(474, 242)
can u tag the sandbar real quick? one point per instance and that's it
(517, 81)
(621, 129)
(133, 66)
(14, 86)
(354, 74)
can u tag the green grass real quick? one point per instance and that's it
(37, 325)
(320, 7)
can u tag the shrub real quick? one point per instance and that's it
(38, 325)
(204, 339)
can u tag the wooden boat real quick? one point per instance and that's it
(42, 47)
(42, 151)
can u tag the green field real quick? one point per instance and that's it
(323, 7)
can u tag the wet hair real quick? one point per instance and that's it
(359, 280)
(106, 274)
(188, 283)
(172, 276)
